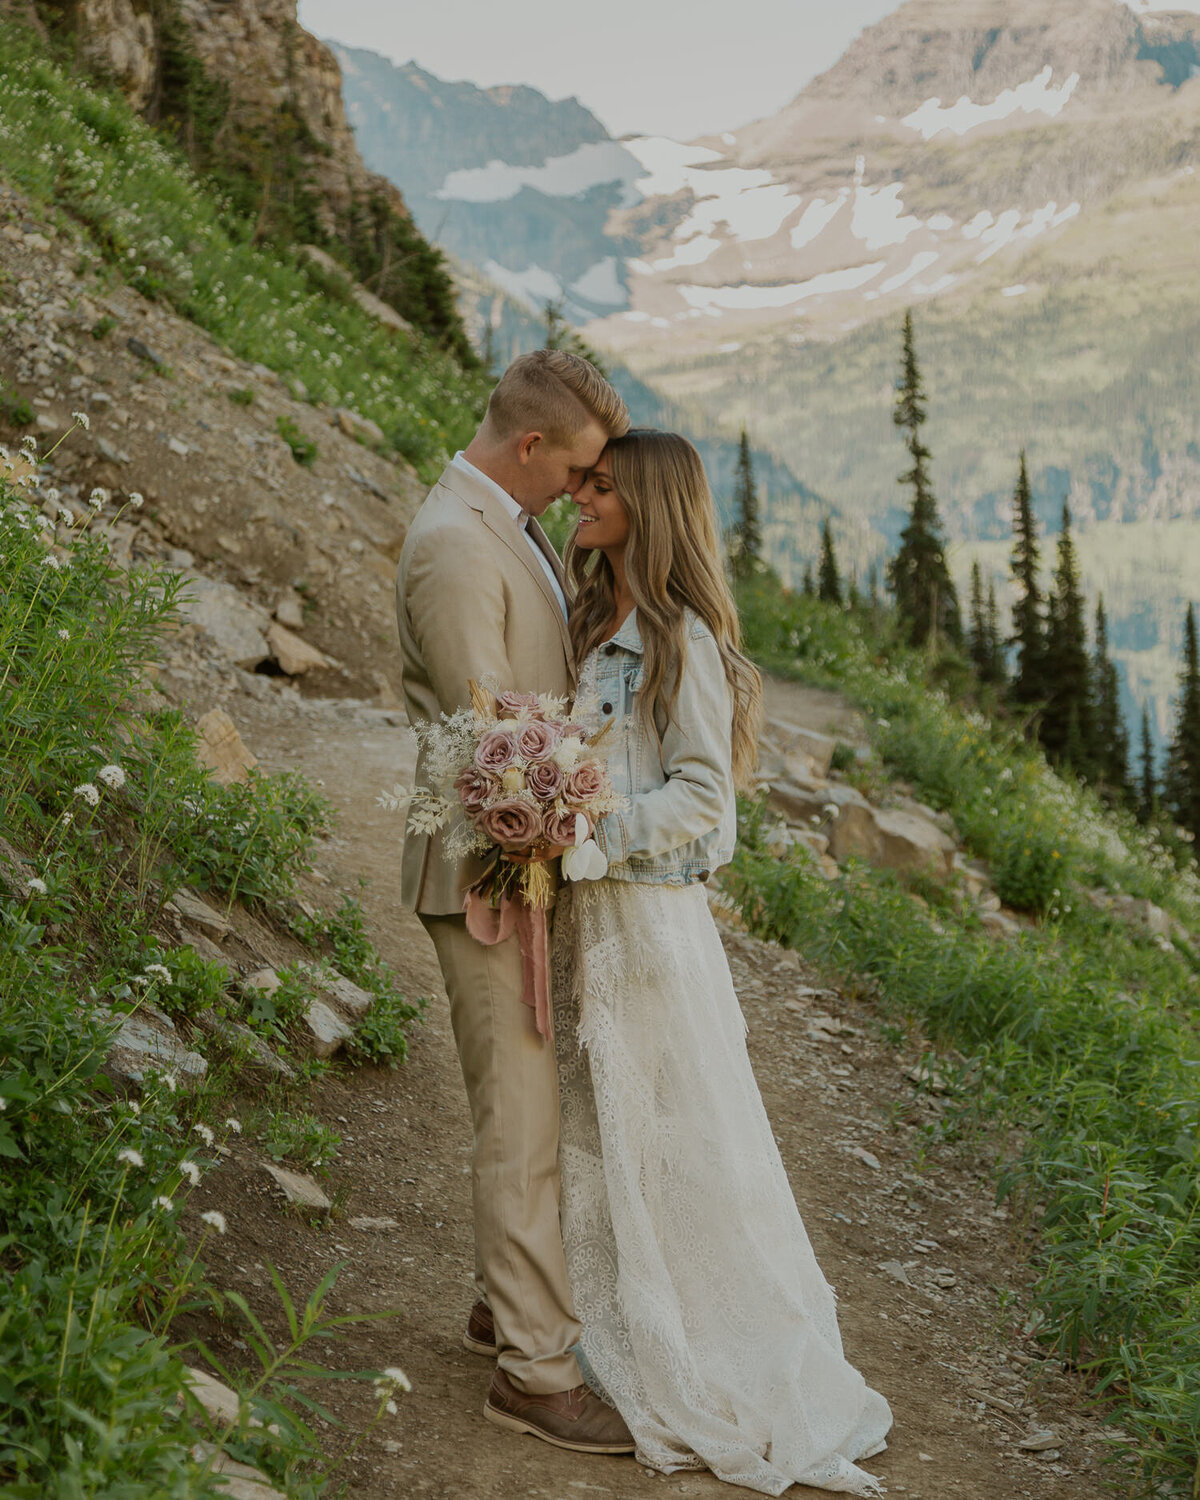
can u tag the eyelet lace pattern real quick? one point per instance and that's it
(707, 1320)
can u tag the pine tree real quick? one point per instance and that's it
(978, 645)
(1066, 726)
(829, 580)
(1148, 791)
(926, 600)
(853, 595)
(746, 538)
(808, 584)
(561, 335)
(1183, 759)
(1110, 738)
(1029, 626)
(997, 666)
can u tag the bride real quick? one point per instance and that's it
(707, 1321)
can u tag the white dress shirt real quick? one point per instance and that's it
(461, 462)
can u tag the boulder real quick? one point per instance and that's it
(796, 741)
(351, 999)
(359, 427)
(237, 628)
(222, 1406)
(191, 908)
(298, 1189)
(289, 611)
(909, 842)
(294, 655)
(221, 748)
(997, 924)
(149, 1044)
(325, 1031)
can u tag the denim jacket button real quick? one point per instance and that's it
(610, 649)
(606, 708)
(702, 875)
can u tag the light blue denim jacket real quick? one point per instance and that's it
(678, 777)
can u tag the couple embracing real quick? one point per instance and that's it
(644, 1280)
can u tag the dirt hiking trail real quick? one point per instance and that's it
(907, 1232)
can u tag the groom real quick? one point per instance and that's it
(480, 593)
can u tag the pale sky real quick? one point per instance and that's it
(641, 66)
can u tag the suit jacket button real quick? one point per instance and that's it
(606, 708)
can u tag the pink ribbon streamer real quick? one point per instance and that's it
(490, 925)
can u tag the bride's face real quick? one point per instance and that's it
(603, 520)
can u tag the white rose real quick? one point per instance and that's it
(567, 753)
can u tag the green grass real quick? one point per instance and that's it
(109, 814)
(1084, 1031)
(155, 224)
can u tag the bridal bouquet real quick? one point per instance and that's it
(519, 780)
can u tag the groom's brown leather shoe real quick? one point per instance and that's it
(480, 1337)
(575, 1419)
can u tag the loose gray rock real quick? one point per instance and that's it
(325, 1030)
(150, 1044)
(191, 908)
(297, 1188)
(236, 627)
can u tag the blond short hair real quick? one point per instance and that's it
(554, 392)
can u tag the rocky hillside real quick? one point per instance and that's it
(255, 102)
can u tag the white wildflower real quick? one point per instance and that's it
(50, 561)
(214, 1219)
(64, 635)
(89, 793)
(159, 971)
(204, 1133)
(134, 1158)
(35, 886)
(234, 1125)
(140, 980)
(165, 1203)
(112, 776)
(82, 418)
(51, 495)
(66, 515)
(170, 1081)
(67, 819)
(396, 1377)
(3, 1104)
(98, 498)
(134, 1107)
(391, 1408)
(136, 500)
(191, 1171)
(831, 810)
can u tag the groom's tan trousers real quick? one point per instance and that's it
(512, 1084)
(474, 602)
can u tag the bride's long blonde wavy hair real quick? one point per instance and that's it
(673, 562)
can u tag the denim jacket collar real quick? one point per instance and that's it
(629, 637)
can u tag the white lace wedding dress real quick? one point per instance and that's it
(707, 1321)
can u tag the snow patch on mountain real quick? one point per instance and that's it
(534, 286)
(570, 176)
(715, 299)
(1036, 96)
(601, 283)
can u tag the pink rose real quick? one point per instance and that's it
(496, 751)
(585, 781)
(559, 827)
(474, 787)
(514, 704)
(513, 824)
(572, 731)
(544, 780)
(535, 740)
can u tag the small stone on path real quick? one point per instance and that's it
(298, 1189)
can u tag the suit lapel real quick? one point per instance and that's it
(506, 530)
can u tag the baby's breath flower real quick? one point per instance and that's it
(82, 418)
(165, 1203)
(112, 776)
(204, 1133)
(134, 1158)
(89, 793)
(234, 1125)
(214, 1219)
(191, 1171)
(35, 886)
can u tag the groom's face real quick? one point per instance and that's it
(549, 470)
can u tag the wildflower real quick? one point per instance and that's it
(66, 515)
(191, 1171)
(50, 561)
(134, 1158)
(112, 776)
(67, 819)
(234, 1125)
(134, 1107)
(831, 809)
(204, 1133)
(64, 635)
(159, 971)
(35, 886)
(98, 498)
(89, 793)
(82, 418)
(169, 1080)
(214, 1219)
(394, 1376)
(136, 500)
(391, 1408)
(3, 1104)
(165, 1203)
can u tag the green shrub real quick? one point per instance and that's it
(240, 396)
(301, 1139)
(1029, 872)
(304, 450)
(15, 411)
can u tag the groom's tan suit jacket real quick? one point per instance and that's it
(472, 601)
